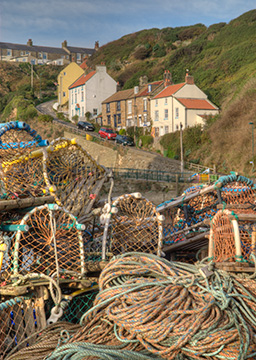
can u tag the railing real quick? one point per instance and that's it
(164, 176)
(199, 168)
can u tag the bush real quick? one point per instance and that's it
(45, 118)
(122, 132)
(75, 118)
(146, 140)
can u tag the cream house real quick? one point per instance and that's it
(88, 92)
(179, 105)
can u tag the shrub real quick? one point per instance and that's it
(146, 140)
(75, 118)
(122, 132)
(45, 118)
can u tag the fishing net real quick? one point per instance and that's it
(63, 169)
(135, 226)
(17, 138)
(48, 240)
(75, 175)
(21, 317)
(232, 239)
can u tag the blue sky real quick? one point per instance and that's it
(82, 22)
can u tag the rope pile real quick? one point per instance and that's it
(170, 310)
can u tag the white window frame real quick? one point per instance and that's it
(166, 114)
(129, 107)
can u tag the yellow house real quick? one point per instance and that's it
(65, 78)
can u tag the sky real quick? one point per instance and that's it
(82, 22)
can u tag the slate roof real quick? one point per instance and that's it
(197, 104)
(47, 49)
(82, 79)
(34, 48)
(119, 95)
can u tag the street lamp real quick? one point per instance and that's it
(181, 150)
(252, 162)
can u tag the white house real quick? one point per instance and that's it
(88, 91)
(178, 105)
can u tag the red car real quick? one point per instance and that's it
(107, 133)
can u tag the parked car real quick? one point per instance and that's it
(84, 125)
(124, 140)
(107, 133)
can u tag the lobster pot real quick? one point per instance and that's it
(136, 226)
(21, 317)
(238, 192)
(22, 177)
(17, 138)
(75, 175)
(49, 240)
(188, 214)
(232, 237)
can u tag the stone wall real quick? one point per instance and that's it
(118, 156)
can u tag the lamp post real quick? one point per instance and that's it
(252, 162)
(181, 150)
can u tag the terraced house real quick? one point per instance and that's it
(180, 105)
(35, 54)
(88, 91)
(131, 107)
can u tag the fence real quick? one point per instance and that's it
(157, 175)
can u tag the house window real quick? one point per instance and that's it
(64, 94)
(145, 119)
(21, 53)
(166, 129)
(108, 119)
(129, 107)
(156, 115)
(144, 104)
(108, 107)
(40, 55)
(95, 112)
(156, 131)
(44, 55)
(118, 106)
(9, 52)
(82, 95)
(75, 98)
(156, 103)
(82, 111)
(177, 127)
(176, 113)
(119, 118)
(78, 56)
(166, 114)
(165, 101)
(64, 73)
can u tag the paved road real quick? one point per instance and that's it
(47, 108)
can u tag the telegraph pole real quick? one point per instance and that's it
(181, 150)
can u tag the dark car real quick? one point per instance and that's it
(107, 133)
(124, 140)
(84, 125)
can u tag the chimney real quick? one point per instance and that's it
(189, 79)
(30, 43)
(136, 90)
(64, 44)
(143, 80)
(167, 78)
(118, 86)
(96, 46)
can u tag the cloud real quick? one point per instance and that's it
(52, 21)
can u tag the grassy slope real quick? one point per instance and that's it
(222, 59)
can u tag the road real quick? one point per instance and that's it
(47, 108)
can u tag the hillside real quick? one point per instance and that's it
(222, 59)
